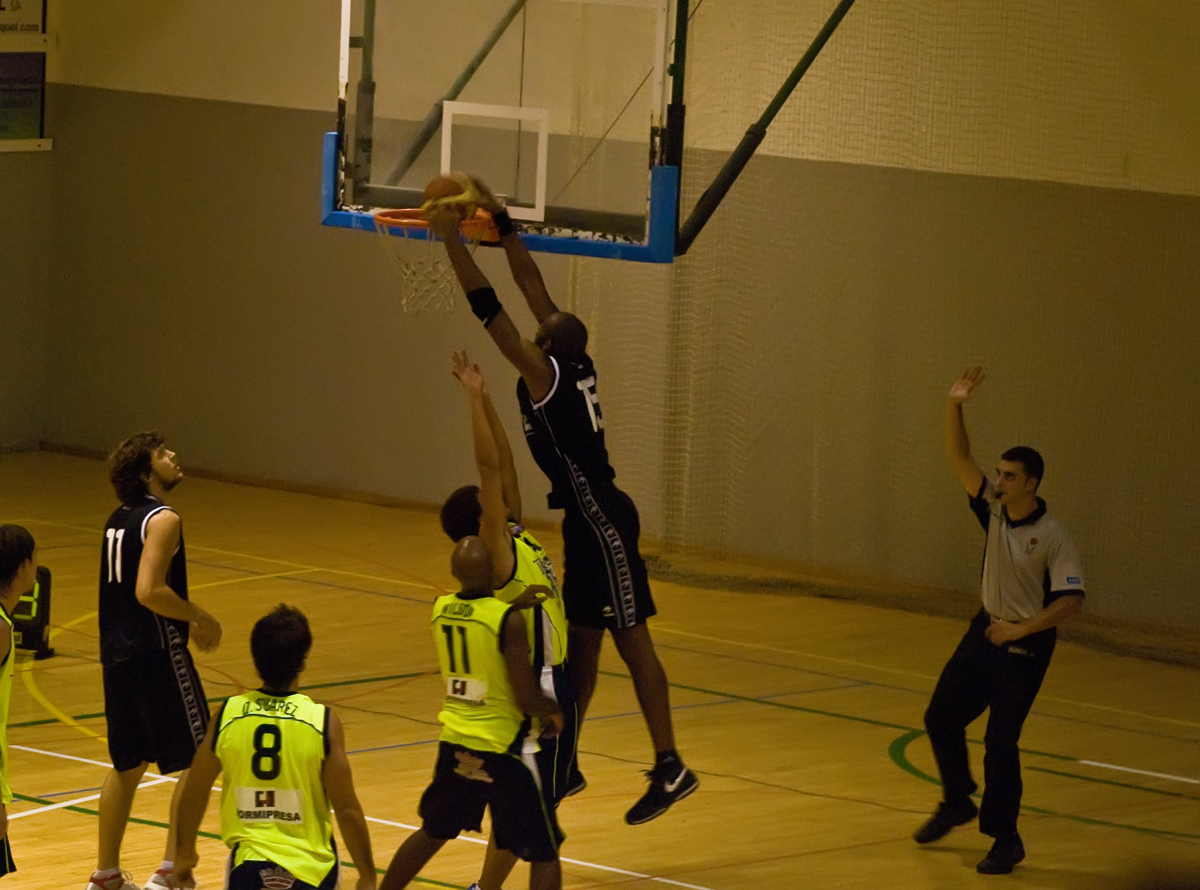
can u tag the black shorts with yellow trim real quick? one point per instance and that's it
(465, 781)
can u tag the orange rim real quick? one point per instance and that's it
(478, 227)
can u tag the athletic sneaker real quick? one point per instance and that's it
(1005, 853)
(946, 817)
(474, 886)
(116, 882)
(160, 880)
(669, 782)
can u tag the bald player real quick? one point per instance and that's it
(491, 694)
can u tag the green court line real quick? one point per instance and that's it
(897, 748)
(87, 811)
(49, 720)
(898, 755)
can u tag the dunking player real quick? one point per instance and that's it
(483, 656)
(521, 575)
(1032, 581)
(285, 765)
(605, 584)
(18, 574)
(153, 699)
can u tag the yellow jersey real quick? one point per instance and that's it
(273, 803)
(480, 710)
(547, 622)
(6, 678)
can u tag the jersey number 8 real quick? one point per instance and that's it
(267, 761)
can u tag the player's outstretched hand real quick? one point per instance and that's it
(206, 632)
(487, 199)
(468, 374)
(961, 390)
(531, 596)
(444, 220)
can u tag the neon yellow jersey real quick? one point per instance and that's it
(480, 710)
(273, 803)
(547, 625)
(6, 678)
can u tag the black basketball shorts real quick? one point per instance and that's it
(604, 578)
(465, 781)
(556, 759)
(156, 710)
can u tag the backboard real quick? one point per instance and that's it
(556, 104)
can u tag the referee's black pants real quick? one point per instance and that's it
(1003, 680)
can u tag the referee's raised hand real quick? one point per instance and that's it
(961, 390)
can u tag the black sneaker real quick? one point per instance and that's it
(943, 820)
(1005, 853)
(575, 783)
(668, 783)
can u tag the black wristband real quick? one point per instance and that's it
(485, 304)
(503, 222)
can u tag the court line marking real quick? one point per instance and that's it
(898, 753)
(584, 863)
(1140, 772)
(30, 681)
(282, 562)
(157, 780)
(662, 628)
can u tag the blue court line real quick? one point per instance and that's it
(391, 747)
(69, 793)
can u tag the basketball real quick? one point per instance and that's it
(446, 187)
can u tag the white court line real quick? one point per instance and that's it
(160, 779)
(619, 871)
(157, 780)
(1140, 772)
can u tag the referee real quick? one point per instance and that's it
(1032, 580)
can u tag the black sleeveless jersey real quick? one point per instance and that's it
(127, 628)
(565, 431)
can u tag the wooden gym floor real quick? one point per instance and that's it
(801, 715)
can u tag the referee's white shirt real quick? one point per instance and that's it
(1027, 562)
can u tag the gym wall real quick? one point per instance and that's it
(1010, 186)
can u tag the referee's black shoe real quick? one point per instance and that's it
(944, 819)
(669, 781)
(1005, 853)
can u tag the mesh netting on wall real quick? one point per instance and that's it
(778, 392)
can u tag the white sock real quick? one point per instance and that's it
(105, 874)
(168, 866)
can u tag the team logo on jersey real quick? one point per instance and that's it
(470, 767)
(1033, 542)
(1074, 579)
(269, 805)
(277, 878)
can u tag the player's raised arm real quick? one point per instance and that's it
(193, 801)
(163, 532)
(339, 784)
(958, 445)
(524, 355)
(525, 271)
(493, 518)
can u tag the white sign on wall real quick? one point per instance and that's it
(22, 16)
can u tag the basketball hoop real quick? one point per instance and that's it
(427, 280)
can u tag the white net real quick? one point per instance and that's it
(424, 277)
